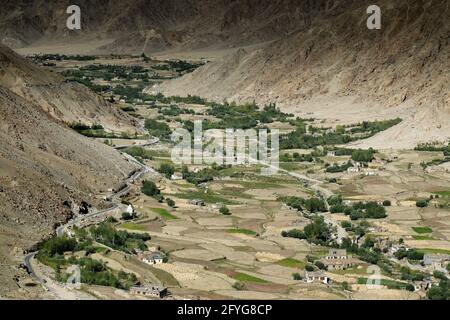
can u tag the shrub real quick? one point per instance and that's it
(294, 233)
(422, 203)
(239, 285)
(297, 276)
(225, 211)
(170, 203)
(127, 216)
(166, 170)
(309, 268)
(320, 265)
(387, 203)
(150, 189)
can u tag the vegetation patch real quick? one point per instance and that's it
(422, 230)
(164, 213)
(243, 231)
(292, 263)
(248, 278)
(390, 284)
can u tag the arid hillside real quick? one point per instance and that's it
(65, 101)
(46, 168)
(337, 68)
(160, 24)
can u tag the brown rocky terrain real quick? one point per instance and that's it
(45, 167)
(339, 69)
(67, 102)
(311, 57)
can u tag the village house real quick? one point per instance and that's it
(319, 277)
(331, 154)
(336, 254)
(197, 202)
(435, 261)
(176, 176)
(338, 260)
(149, 291)
(152, 258)
(130, 209)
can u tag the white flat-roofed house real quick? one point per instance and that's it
(149, 291)
(319, 276)
(152, 258)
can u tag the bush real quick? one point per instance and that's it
(318, 231)
(127, 216)
(387, 203)
(239, 285)
(294, 233)
(150, 189)
(422, 203)
(166, 170)
(297, 276)
(320, 265)
(170, 203)
(309, 268)
(225, 211)
(347, 225)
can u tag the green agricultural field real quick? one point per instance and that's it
(434, 251)
(248, 278)
(391, 284)
(417, 237)
(242, 231)
(292, 263)
(164, 213)
(209, 197)
(422, 230)
(443, 193)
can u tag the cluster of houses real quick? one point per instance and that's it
(338, 259)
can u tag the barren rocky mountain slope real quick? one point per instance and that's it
(67, 102)
(45, 168)
(401, 70)
(165, 23)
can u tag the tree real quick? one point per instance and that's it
(225, 211)
(294, 233)
(318, 231)
(170, 203)
(309, 268)
(167, 170)
(320, 265)
(387, 203)
(150, 189)
(126, 216)
(422, 203)
(347, 225)
(297, 276)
